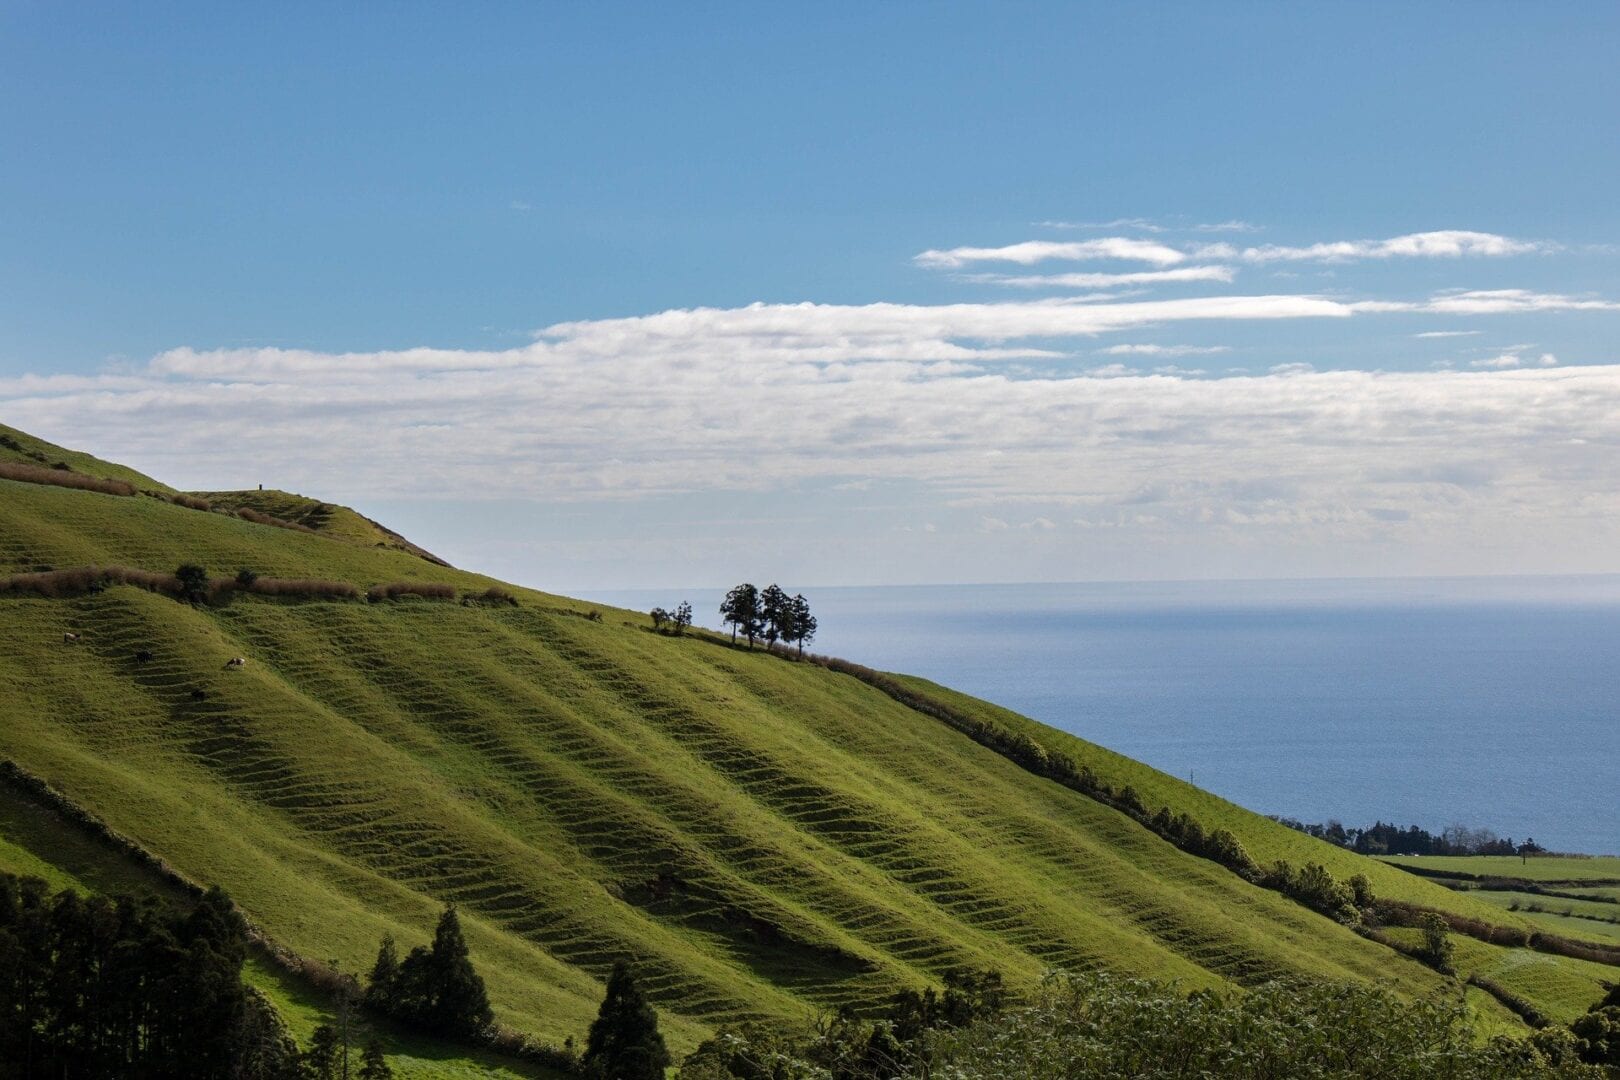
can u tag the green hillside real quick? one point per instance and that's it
(763, 838)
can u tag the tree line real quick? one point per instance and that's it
(769, 614)
(119, 987)
(1390, 839)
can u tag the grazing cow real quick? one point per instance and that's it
(70, 639)
(236, 661)
(144, 656)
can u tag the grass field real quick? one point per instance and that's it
(761, 838)
(1574, 870)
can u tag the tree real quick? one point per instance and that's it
(321, 1059)
(1437, 946)
(435, 987)
(659, 618)
(382, 987)
(775, 613)
(740, 610)
(683, 618)
(193, 583)
(373, 1065)
(801, 623)
(460, 1004)
(624, 1043)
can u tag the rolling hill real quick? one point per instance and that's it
(763, 838)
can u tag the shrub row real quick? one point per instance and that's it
(77, 581)
(1400, 913)
(430, 590)
(247, 514)
(62, 477)
(190, 502)
(81, 580)
(1514, 1003)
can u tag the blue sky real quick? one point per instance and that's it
(223, 232)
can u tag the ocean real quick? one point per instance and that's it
(1488, 702)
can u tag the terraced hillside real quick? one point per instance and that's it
(764, 838)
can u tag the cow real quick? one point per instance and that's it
(236, 661)
(70, 639)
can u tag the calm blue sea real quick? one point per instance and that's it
(1489, 702)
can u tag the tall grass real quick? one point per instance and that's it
(190, 502)
(38, 474)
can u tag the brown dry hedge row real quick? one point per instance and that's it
(429, 590)
(248, 514)
(38, 474)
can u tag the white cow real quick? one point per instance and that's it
(70, 639)
(236, 661)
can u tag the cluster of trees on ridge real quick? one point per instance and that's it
(770, 614)
(1390, 839)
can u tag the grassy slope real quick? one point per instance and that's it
(36, 451)
(338, 522)
(764, 838)
(1603, 869)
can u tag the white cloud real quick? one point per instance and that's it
(1447, 333)
(1489, 302)
(983, 402)
(1105, 280)
(1030, 252)
(1436, 244)
(1144, 224)
(1228, 226)
(1164, 350)
(1442, 243)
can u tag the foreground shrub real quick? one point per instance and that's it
(1106, 1027)
(38, 474)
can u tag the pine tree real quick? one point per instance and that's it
(460, 1004)
(321, 1059)
(801, 624)
(373, 1065)
(624, 1043)
(776, 614)
(741, 609)
(382, 985)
